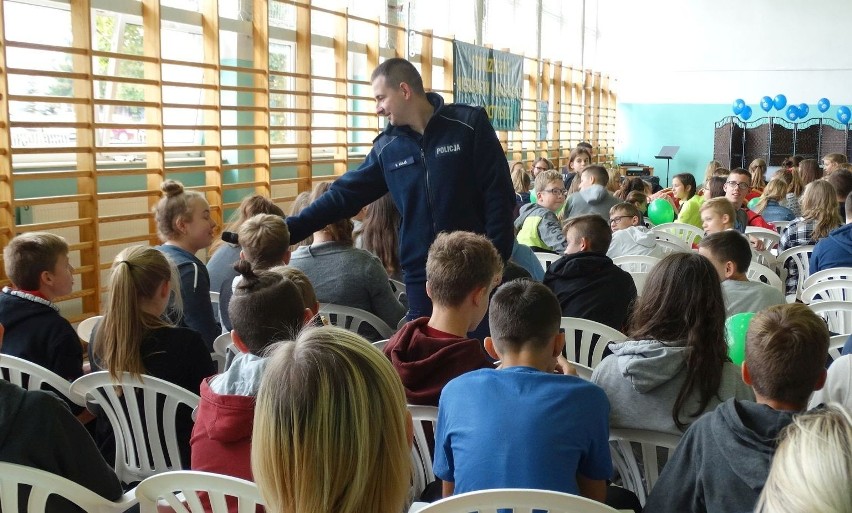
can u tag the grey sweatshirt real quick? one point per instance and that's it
(642, 379)
(594, 199)
(350, 277)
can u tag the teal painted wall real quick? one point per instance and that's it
(643, 128)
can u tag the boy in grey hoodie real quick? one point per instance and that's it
(722, 462)
(592, 198)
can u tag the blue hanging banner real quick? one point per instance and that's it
(490, 79)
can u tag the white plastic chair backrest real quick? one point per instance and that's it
(800, 256)
(761, 273)
(764, 258)
(421, 456)
(828, 290)
(44, 484)
(639, 472)
(688, 233)
(779, 225)
(594, 337)
(517, 500)
(220, 350)
(545, 259)
(351, 319)
(636, 263)
(380, 344)
(668, 247)
(770, 238)
(398, 289)
(639, 280)
(136, 436)
(583, 371)
(835, 345)
(835, 273)
(84, 329)
(15, 370)
(214, 300)
(838, 315)
(180, 490)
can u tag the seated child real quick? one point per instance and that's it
(264, 242)
(717, 214)
(523, 426)
(629, 235)
(592, 196)
(537, 223)
(266, 308)
(349, 451)
(730, 254)
(37, 264)
(37, 430)
(810, 471)
(722, 462)
(462, 269)
(737, 188)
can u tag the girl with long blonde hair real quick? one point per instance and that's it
(757, 168)
(769, 205)
(134, 337)
(349, 452)
(819, 216)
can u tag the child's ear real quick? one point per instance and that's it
(821, 381)
(584, 244)
(730, 269)
(478, 295)
(285, 258)
(315, 308)
(558, 343)
(308, 315)
(491, 350)
(165, 289)
(242, 255)
(747, 375)
(428, 289)
(238, 342)
(726, 219)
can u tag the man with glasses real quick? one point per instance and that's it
(737, 187)
(537, 223)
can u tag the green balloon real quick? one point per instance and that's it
(661, 211)
(736, 328)
(753, 203)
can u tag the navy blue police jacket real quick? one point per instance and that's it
(453, 177)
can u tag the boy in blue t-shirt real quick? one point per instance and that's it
(523, 426)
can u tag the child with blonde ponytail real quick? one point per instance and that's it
(134, 337)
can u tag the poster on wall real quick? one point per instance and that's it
(491, 79)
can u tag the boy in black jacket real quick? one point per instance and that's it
(722, 462)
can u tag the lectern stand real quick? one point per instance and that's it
(667, 153)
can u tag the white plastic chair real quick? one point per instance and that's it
(22, 372)
(220, 350)
(640, 472)
(835, 345)
(214, 300)
(84, 329)
(669, 246)
(399, 290)
(800, 256)
(838, 315)
(688, 233)
(44, 485)
(828, 290)
(517, 500)
(761, 273)
(583, 371)
(835, 273)
(180, 490)
(545, 259)
(764, 258)
(636, 263)
(421, 456)
(352, 318)
(779, 225)
(639, 280)
(594, 337)
(769, 238)
(137, 436)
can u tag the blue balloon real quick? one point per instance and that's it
(803, 110)
(738, 106)
(766, 103)
(793, 113)
(780, 101)
(746, 113)
(844, 114)
(823, 104)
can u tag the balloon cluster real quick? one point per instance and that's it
(792, 112)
